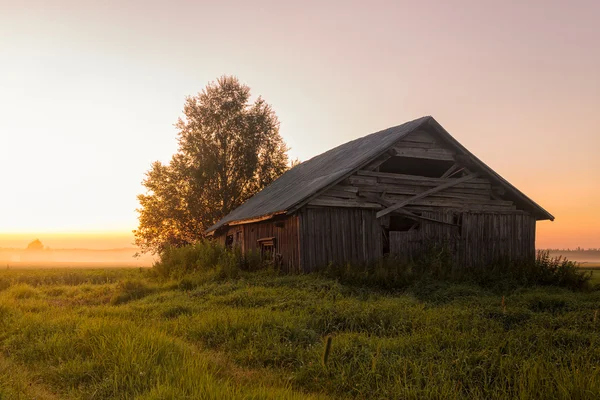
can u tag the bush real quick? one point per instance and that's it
(176, 262)
(206, 258)
(559, 271)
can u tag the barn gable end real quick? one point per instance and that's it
(461, 202)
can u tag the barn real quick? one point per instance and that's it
(398, 191)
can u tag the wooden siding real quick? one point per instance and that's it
(339, 236)
(284, 230)
(482, 238)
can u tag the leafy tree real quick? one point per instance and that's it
(229, 149)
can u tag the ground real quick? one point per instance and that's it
(122, 333)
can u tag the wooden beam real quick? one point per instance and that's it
(252, 220)
(450, 170)
(414, 178)
(340, 193)
(326, 201)
(425, 194)
(383, 158)
(483, 194)
(430, 154)
(345, 188)
(408, 214)
(419, 136)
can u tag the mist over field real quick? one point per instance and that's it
(73, 258)
(70, 250)
(581, 256)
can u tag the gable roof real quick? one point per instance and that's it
(312, 177)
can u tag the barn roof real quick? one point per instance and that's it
(297, 185)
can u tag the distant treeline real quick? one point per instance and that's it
(578, 249)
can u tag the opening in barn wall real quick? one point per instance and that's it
(416, 166)
(267, 248)
(229, 241)
(397, 223)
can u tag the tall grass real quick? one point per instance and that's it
(206, 258)
(437, 264)
(265, 335)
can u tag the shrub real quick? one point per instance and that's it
(560, 272)
(203, 257)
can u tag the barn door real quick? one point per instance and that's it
(405, 236)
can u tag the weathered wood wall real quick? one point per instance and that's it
(487, 238)
(285, 232)
(338, 235)
(482, 239)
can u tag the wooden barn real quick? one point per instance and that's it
(398, 191)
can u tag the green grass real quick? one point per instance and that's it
(123, 333)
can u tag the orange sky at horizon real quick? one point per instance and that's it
(90, 92)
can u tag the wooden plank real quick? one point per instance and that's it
(425, 194)
(340, 194)
(350, 231)
(450, 170)
(419, 145)
(364, 234)
(362, 180)
(409, 189)
(380, 160)
(329, 237)
(428, 154)
(438, 199)
(365, 178)
(419, 136)
(345, 188)
(429, 184)
(257, 219)
(335, 202)
(336, 243)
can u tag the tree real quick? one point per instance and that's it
(35, 245)
(229, 149)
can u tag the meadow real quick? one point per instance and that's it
(128, 333)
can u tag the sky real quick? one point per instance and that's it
(89, 93)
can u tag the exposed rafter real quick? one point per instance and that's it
(408, 214)
(419, 196)
(450, 170)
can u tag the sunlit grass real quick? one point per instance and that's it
(124, 334)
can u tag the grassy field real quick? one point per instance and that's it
(121, 333)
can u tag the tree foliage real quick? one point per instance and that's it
(229, 149)
(35, 245)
